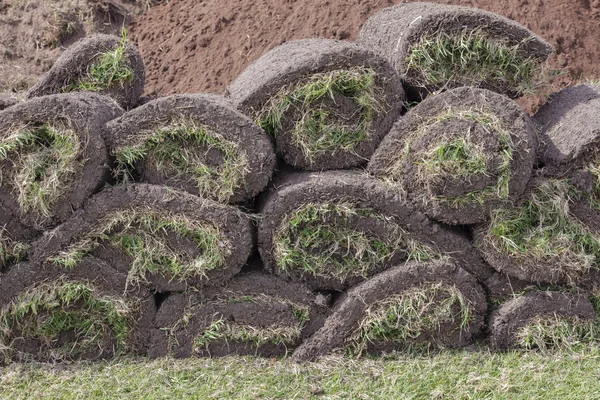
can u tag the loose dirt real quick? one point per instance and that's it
(192, 46)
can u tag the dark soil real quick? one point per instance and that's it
(513, 119)
(75, 63)
(393, 31)
(242, 302)
(351, 310)
(86, 114)
(211, 111)
(296, 61)
(233, 224)
(517, 313)
(368, 193)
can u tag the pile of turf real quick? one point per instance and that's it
(311, 209)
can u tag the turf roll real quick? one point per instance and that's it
(7, 100)
(327, 103)
(85, 314)
(52, 158)
(255, 314)
(197, 143)
(459, 154)
(416, 306)
(436, 46)
(334, 229)
(544, 320)
(99, 63)
(159, 237)
(540, 240)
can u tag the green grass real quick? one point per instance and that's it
(47, 311)
(449, 158)
(11, 251)
(108, 70)
(319, 130)
(314, 239)
(450, 375)
(404, 317)
(555, 332)
(544, 230)
(471, 58)
(178, 150)
(138, 234)
(44, 160)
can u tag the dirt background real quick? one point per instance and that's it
(200, 46)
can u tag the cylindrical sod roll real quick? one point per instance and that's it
(157, 236)
(83, 314)
(417, 306)
(459, 154)
(327, 103)
(7, 100)
(99, 63)
(197, 143)
(436, 46)
(255, 314)
(52, 158)
(335, 229)
(543, 320)
(540, 240)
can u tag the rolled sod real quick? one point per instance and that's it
(414, 306)
(159, 237)
(327, 103)
(436, 47)
(543, 320)
(84, 314)
(197, 143)
(459, 155)
(334, 229)
(7, 100)
(52, 158)
(99, 63)
(255, 314)
(540, 239)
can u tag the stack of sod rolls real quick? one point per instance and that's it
(366, 198)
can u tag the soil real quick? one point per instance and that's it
(256, 311)
(395, 30)
(191, 46)
(296, 61)
(232, 224)
(349, 311)
(516, 313)
(211, 111)
(33, 33)
(326, 187)
(75, 63)
(86, 114)
(423, 195)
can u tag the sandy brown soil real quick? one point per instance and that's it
(192, 46)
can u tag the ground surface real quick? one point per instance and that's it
(200, 46)
(461, 375)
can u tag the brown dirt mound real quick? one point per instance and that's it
(191, 46)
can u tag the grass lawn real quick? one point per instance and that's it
(451, 375)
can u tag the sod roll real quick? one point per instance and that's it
(459, 155)
(415, 306)
(159, 237)
(99, 63)
(327, 103)
(334, 229)
(7, 100)
(544, 320)
(84, 314)
(255, 314)
(197, 143)
(436, 46)
(52, 158)
(540, 240)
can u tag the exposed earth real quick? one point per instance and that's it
(201, 46)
